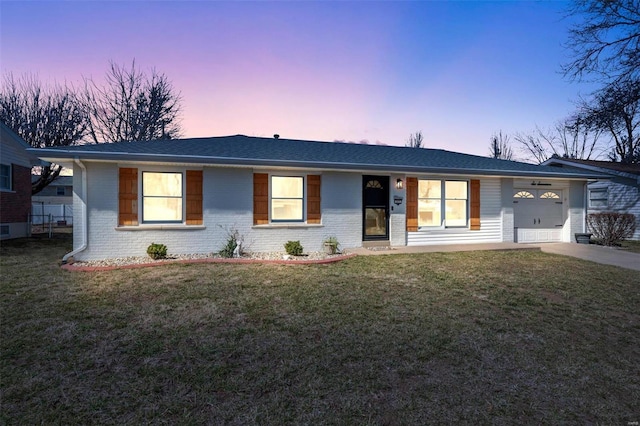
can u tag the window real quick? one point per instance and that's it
(455, 203)
(5, 177)
(598, 198)
(550, 195)
(523, 194)
(171, 197)
(429, 202)
(287, 198)
(60, 190)
(161, 197)
(438, 198)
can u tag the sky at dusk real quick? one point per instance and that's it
(349, 71)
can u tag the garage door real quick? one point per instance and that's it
(537, 215)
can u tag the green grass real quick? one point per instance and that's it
(632, 246)
(475, 337)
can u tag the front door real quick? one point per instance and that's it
(375, 204)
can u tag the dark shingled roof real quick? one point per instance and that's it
(256, 151)
(609, 165)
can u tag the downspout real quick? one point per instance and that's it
(83, 246)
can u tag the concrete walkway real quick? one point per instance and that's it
(591, 252)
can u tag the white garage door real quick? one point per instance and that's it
(537, 215)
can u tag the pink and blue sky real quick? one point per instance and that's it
(352, 71)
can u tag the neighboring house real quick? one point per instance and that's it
(60, 191)
(15, 184)
(189, 193)
(618, 192)
(55, 199)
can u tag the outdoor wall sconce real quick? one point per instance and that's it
(397, 200)
(399, 184)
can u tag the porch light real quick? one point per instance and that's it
(399, 184)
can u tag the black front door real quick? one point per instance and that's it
(375, 206)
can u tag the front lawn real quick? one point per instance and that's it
(473, 338)
(632, 246)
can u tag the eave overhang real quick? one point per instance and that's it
(59, 155)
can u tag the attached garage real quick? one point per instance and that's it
(538, 215)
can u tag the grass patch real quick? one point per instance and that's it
(632, 246)
(474, 337)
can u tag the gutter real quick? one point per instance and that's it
(83, 246)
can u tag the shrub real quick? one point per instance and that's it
(294, 248)
(611, 228)
(230, 247)
(157, 251)
(331, 244)
(234, 241)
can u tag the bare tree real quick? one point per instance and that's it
(132, 106)
(615, 109)
(606, 42)
(573, 138)
(500, 147)
(415, 140)
(43, 117)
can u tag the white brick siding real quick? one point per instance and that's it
(228, 204)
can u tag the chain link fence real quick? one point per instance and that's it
(51, 218)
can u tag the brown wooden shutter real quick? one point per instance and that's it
(260, 198)
(128, 197)
(412, 204)
(474, 202)
(313, 199)
(194, 197)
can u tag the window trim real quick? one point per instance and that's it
(182, 198)
(443, 202)
(302, 199)
(9, 177)
(605, 198)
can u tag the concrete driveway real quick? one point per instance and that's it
(595, 253)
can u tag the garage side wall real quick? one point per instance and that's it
(507, 211)
(576, 211)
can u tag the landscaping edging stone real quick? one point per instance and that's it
(88, 268)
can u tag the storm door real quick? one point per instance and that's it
(375, 205)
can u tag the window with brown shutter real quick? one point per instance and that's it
(412, 204)
(194, 197)
(260, 198)
(474, 204)
(128, 197)
(313, 199)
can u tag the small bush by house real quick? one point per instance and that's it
(294, 248)
(157, 251)
(611, 228)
